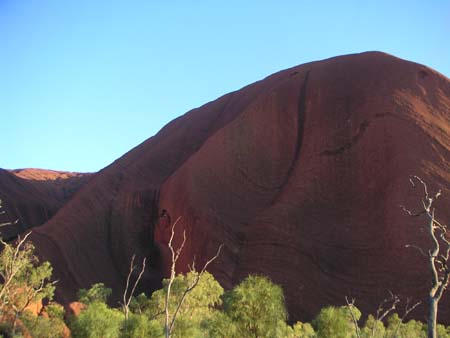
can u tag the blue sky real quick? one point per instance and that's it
(83, 82)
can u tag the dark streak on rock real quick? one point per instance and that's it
(362, 128)
(301, 118)
(388, 113)
(109, 223)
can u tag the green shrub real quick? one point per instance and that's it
(373, 328)
(43, 327)
(98, 320)
(412, 329)
(336, 322)
(303, 330)
(197, 307)
(256, 306)
(97, 293)
(138, 326)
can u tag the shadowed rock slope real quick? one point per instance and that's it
(300, 175)
(32, 196)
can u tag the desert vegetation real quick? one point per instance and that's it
(253, 308)
(196, 305)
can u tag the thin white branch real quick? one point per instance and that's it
(8, 223)
(417, 248)
(127, 298)
(350, 306)
(410, 213)
(169, 321)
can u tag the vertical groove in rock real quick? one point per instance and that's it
(301, 118)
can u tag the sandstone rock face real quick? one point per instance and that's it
(299, 175)
(74, 309)
(32, 196)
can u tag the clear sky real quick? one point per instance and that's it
(83, 82)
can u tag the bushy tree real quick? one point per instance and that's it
(97, 320)
(303, 330)
(219, 325)
(138, 325)
(198, 305)
(442, 331)
(23, 280)
(373, 328)
(97, 293)
(336, 322)
(55, 310)
(257, 307)
(50, 325)
(397, 329)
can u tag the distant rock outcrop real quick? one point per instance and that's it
(32, 196)
(300, 175)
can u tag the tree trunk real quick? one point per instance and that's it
(432, 316)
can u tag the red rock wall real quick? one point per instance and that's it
(300, 176)
(33, 196)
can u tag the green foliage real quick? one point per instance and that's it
(198, 302)
(219, 325)
(336, 322)
(138, 326)
(256, 306)
(55, 310)
(140, 304)
(98, 320)
(97, 293)
(197, 307)
(397, 329)
(373, 328)
(5, 329)
(303, 330)
(283, 330)
(24, 280)
(43, 327)
(442, 331)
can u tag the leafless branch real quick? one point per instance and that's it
(170, 322)
(350, 306)
(438, 254)
(127, 298)
(393, 301)
(387, 306)
(417, 248)
(194, 284)
(8, 223)
(412, 214)
(409, 308)
(407, 311)
(3, 212)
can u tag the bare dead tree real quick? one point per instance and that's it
(437, 255)
(351, 306)
(169, 321)
(3, 212)
(128, 296)
(408, 309)
(386, 307)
